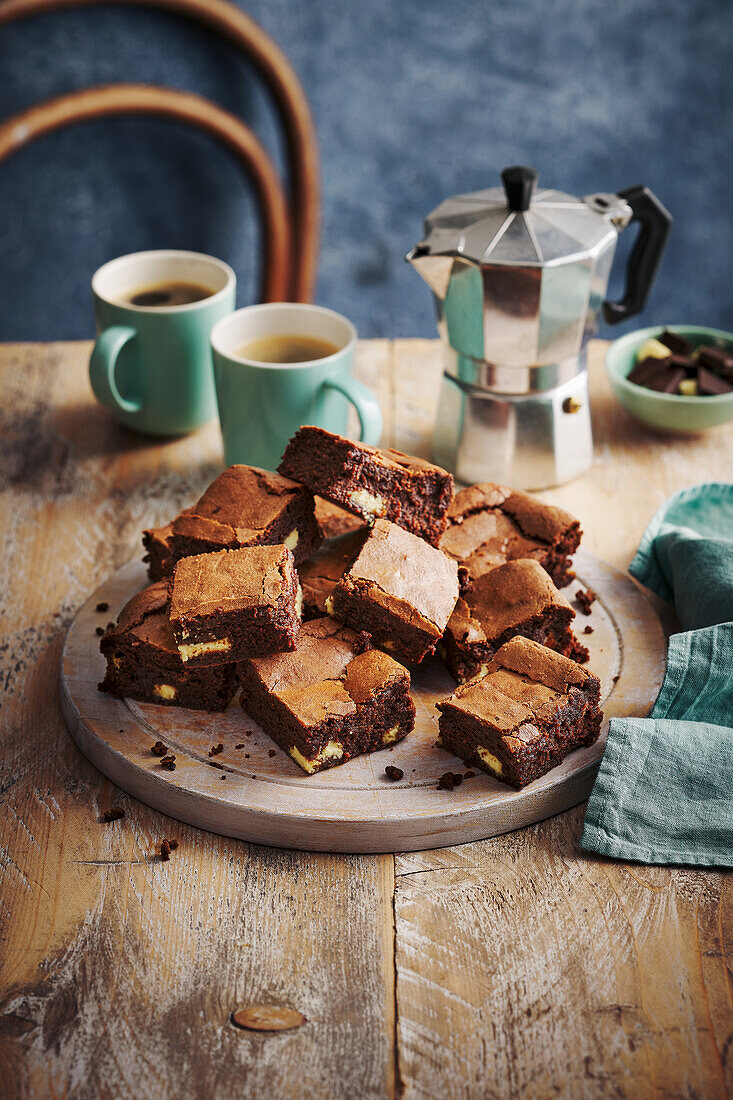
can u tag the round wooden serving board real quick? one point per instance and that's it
(267, 799)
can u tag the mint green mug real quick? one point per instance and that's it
(262, 404)
(151, 364)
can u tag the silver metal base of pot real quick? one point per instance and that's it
(532, 441)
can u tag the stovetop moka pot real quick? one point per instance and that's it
(519, 279)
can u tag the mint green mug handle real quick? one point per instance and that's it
(102, 367)
(366, 405)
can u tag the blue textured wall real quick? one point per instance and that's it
(413, 101)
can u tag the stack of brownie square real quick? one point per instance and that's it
(317, 630)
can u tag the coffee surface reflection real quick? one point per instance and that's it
(287, 348)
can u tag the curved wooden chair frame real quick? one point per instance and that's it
(119, 99)
(230, 23)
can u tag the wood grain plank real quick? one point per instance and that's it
(525, 967)
(528, 968)
(119, 971)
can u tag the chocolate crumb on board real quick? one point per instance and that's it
(222, 776)
(584, 598)
(172, 844)
(216, 749)
(111, 626)
(272, 752)
(159, 749)
(393, 774)
(616, 678)
(588, 629)
(469, 774)
(165, 851)
(114, 813)
(99, 631)
(449, 781)
(215, 764)
(169, 762)
(240, 745)
(103, 606)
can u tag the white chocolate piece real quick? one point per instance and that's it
(292, 540)
(652, 349)
(328, 604)
(220, 645)
(164, 691)
(688, 387)
(368, 503)
(299, 602)
(391, 735)
(490, 761)
(332, 751)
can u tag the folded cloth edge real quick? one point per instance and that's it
(644, 565)
(603, 804)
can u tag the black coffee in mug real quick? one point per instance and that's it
(162, 295)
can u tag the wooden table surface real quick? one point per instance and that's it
(518, 966)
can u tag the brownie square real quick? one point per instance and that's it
(143, 660)
(523, 717)
(157, 543)
(330, 699)
(246, 506)
(322, 572)
(334, 520)
(235, 604)
(400, 589)
(371, 482)
(517, 598)
(489, 525)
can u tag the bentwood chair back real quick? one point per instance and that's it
(290, 226)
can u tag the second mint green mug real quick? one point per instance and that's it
(151, 364)
(262, 404)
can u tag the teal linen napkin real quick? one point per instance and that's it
(664, 792)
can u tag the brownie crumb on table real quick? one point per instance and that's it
(165, 851)
(370, 482)
(330, 699)
(588, 629)
(523, 717)
(216, 749)
(102, 606)
(393, 774)
(400, 590)
(114, 813)
(489, 524)
(169, 762)
(159, 749)
(99, 631)
(272, 752)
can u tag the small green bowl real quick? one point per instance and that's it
(669, 411)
